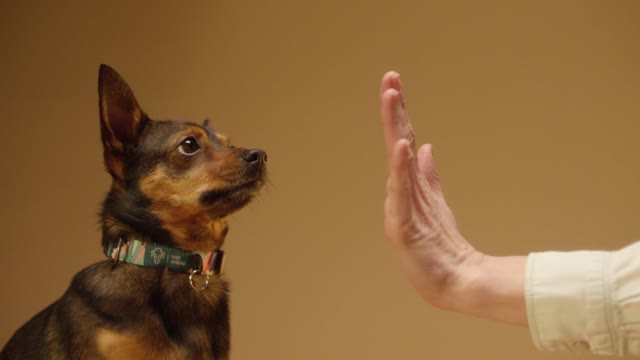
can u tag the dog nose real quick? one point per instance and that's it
(254, 156)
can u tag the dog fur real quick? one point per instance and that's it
(173, 183)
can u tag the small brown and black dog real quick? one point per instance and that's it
(159, 295)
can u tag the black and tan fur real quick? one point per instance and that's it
(174, 182)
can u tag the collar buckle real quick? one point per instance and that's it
(116, 258)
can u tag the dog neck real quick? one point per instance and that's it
(154, 255)
(131, 215)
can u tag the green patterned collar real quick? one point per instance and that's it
(149, 254)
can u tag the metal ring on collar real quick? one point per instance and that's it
(203, 286)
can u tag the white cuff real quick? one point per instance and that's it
(585, 300)
(567, 301)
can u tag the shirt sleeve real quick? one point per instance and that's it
(585, 300)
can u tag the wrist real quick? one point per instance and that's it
(490, 287)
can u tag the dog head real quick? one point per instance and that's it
(173, 182)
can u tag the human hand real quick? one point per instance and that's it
(418, 223)
(442, 266)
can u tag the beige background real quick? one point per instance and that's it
(533, 108)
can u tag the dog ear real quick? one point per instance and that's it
(121, 119)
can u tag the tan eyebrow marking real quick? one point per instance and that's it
(223, 139)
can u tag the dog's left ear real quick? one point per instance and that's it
(121, 119)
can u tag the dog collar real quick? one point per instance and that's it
(149, 254)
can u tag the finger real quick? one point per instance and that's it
(400, 185)
(388, 102)
(395, 121)
(390, 80)
(427, 167)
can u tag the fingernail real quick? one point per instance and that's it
(396, 82)
(398, 86)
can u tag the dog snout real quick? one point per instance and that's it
(254, 156)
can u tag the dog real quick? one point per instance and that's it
(160, 293)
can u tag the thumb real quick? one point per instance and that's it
(427, 167)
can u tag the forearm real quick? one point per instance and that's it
(577, 300)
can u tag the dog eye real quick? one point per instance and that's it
(189, 146)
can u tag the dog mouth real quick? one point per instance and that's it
(231, 198)
(243, 184)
